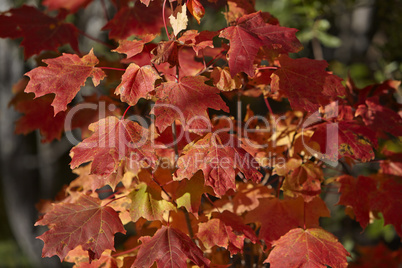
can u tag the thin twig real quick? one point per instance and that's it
(95, 39)
(104, 10)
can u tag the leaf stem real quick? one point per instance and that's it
(111, 68)
(269, 107)
(164, 19)
(115, 199)
(304, 214)
(104, 10)
(163, 189)
(126, 251)
(176, 149)
(124, 115)
(188, 222)
(278, 190)
(210, 63)
(268, 68)
(212, 203)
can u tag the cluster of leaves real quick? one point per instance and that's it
(222, 190)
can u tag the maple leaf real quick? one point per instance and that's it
(148, 203)
(186, 100)
(196, 9)
(380, 118)
(306, 83)
(179, 19)
(166, 51)
(169, 247)
(224, 81)
(104, 262)
(38, 114)
(137, 20)
(146, 2)
(113, 140)
(313, 247)
(384, 91)
(226, 230)
(393, 164)
(79, 257)
(63, 77)
(247, 197)
(167, 138)
(71, 5)
(377, 256)
(91, 182)
(305, 180)
(251, 33)
(377, 194)
(387, 201)
(39, 31)
(189, 193)
(197, 40)
(220, 157)
(237, 9)
(294, 213)
(136, 83)
(84, 223)
(356, 193)
(134, 47)
(92, 109)
(347, 138)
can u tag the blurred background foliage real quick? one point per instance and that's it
(359, 38)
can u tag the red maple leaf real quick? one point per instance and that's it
(294, 213)
(226, 230)
(84, 222)
(136, 83)
(71, 5)
(92, 109)
(221, 158)
(91, 182)
(250, 33)
(39, 31)
(377, 256)
(166, 51)
(197, 40)
(64, 77)
(134, 47)
(306, 83)
(313, 247)
(383, 91)
(247, 197)
(380, 118)
(393, 164)
(357, 194)
(169, 247)
(305, 181)
(113, 140)
(377, 194)
(346, 138)
(137, 20)
(239, 8)
(38, 114)
(186, 100)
